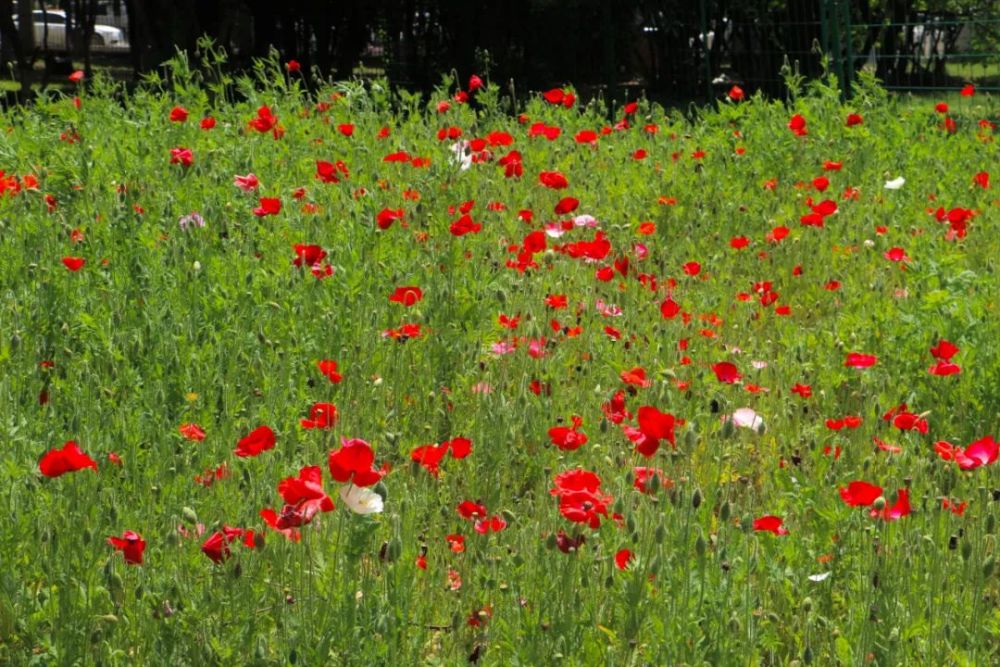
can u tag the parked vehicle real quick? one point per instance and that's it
(51, 29)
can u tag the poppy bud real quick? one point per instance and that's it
(991, 523)
(550, 541)
(139, 592)
(654, 484)
(609, 582)
(619, 507)
(807, 604)
(381, 490)
(661, 533)
(190, 515)
(86, 536)
(603, 425)
(690, 439)
(988, 565)
(654, 565)
(879, 504)
(696, 499)
(746, 523)
(699, 545)
(727, 428)
(724, 511)
(807, 655)
(15, 341)
(394, 549)
(966, 550)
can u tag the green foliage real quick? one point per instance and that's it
(216, 326)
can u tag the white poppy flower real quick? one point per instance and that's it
(746, 418)
(895, 184)
(361, 500)
(819, 577)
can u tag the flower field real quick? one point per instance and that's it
(348, 376)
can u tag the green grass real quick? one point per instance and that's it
(214, 325)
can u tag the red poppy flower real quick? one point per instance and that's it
(980, 453)
(207, 123)
(216, 547)
(568, 438)
(459, 447)
(407, 296)
(797, 125)
(803, 390)
(182, 156)
(896, 255)
(623, 558)
(860, 494)
(259, 440)
(308, 255)
(898, 510)
(328, 367)
(131, 545)
(70, 458)
(584, 506)
(475, 83)
(944, 350)
(286, 523)
(73, 263)
(726, 372)
(494, 524)
(178, 114)
(77, 76)
(968, 90)
(264, 121)
(330, 172)
(192, 432)
(553, 180)
(293, 66)
(982, 179)
(859, 360)
(669, 309)
(268, 206)
(566, 205)
(944, 368)
(387, 216)
(770, 524)
(429, 456)
(471, 510)
(736, 94)
(306, 493)
(352, 462)
(465, 225)
(654, 426)
(635, 377)
(456, 542)
(854, 119)
(321, 415)
(575, 480)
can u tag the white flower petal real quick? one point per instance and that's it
(361, 500)
(822, 576)
(895, 184)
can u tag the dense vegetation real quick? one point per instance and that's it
(714, 389)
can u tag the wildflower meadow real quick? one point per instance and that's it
(341, 375)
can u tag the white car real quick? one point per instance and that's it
(50, 32)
